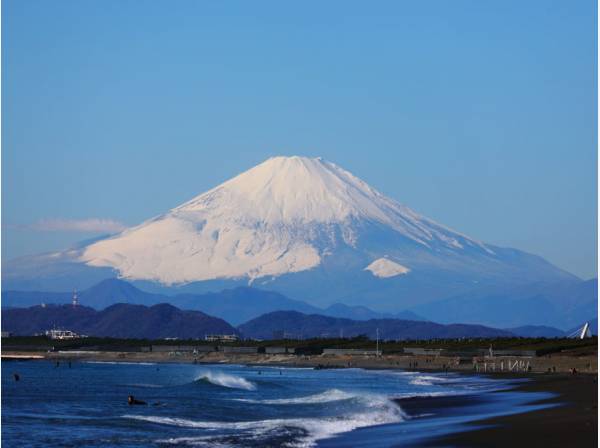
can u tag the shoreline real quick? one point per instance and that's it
(569, 416)
(558, 363)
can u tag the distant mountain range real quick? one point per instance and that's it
(563, 305)
(242, 304)
(119, 321)
(313, 232)
(295, 324)
(163, 320)
(234, 305)
(166, 321)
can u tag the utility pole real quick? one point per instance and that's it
(377, 343)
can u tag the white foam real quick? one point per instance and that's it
(379, 411)
(427, 380)
(323, 397)
(226, 380)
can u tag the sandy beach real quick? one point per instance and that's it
(572, 422)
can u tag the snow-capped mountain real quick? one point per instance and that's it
(282, 216)
(300, 226)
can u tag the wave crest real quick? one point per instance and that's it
(378, 411)
(324, 397)
(226, 380)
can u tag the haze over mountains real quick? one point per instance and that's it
(236, 305)
(166, 321)
(313, 232)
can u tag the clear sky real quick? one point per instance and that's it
(478, 114)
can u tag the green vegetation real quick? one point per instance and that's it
(313, 346)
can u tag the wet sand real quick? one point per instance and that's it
(574, 422)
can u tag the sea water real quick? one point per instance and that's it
(234, 405)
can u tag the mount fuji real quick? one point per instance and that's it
(300, 226)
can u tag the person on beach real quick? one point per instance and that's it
(132, 401)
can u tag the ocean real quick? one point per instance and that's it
(240, 406)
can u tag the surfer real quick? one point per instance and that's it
(131, 401)
(16, 376)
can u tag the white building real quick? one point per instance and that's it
(63, 334)
(221, 337)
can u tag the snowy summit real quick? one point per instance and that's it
(283, 216)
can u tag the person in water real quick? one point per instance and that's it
(131, 401)
(16, 376)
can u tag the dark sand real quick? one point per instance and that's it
(574, 423)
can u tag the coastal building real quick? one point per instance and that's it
(221, 338)
(63, 334)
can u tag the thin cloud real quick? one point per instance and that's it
(78, 225)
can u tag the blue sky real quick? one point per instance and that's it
(480, 115)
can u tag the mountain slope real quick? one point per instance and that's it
(301, 325)
(119, 321)
(279, 217)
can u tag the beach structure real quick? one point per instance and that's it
(227, 349)
(183, 348)
(582, 332)
(351, 351)
(422, 351)
(279, 350)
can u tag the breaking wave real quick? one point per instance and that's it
(323, 397)
(225, 380)
(302, 432)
